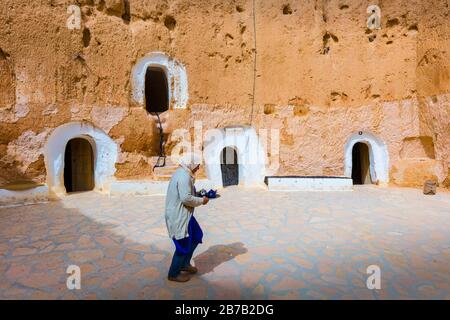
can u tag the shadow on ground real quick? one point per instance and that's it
(216, 255)
(38, 243)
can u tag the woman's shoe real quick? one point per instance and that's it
(190, 269)
(179, 278)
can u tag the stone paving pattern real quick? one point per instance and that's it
(257, 245)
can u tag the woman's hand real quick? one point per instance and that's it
(205, 200)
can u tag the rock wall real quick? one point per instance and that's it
(320, 76)
(433, 75)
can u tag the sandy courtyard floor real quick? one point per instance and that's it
(257, 245)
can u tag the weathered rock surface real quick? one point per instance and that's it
(321, 76)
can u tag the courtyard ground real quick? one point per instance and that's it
(257, 245)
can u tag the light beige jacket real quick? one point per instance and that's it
(180, 203)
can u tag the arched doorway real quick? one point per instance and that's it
(375, 155)
(251, 158)
(105, 152)
(78, 166)
(174, 72)
(156, 90)
(229, 167)
(361, 164)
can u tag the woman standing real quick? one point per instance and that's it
(183, 228)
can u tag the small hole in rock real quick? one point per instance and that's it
(101, 5)
(3, 55)
(170, 22)
(392, 22)
(269, 108)
(126, 16)
(86, 37)
(287, 9)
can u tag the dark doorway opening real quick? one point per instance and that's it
(229, 166)
(78, 166)
(361, 164)
(156, 90)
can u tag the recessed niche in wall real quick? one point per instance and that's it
(417, 147)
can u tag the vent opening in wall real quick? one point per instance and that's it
(156, 90)
(78, 166)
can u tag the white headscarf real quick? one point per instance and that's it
(190, 161)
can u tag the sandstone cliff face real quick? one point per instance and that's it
(320, 77)
(433, 74)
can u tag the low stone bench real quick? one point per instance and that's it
(309, 183)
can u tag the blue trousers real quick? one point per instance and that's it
(181, 261)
